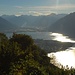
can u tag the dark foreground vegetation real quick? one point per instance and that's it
(20, 56)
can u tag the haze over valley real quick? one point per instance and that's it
(36, 23)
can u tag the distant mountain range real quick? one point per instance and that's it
(65, 25)
(28, 21)
(6, 25)
(61, 23)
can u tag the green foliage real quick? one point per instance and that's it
(20, 56)
(22, 39)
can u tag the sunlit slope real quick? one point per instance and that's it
(65, 25)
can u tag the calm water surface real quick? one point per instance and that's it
(35, 35)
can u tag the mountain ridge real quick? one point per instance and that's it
(5, 25)
(65, 25)
(41, 22)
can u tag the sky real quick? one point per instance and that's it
(36, 7)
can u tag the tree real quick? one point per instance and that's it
(23, 40)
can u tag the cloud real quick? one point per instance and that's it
(45, 10)
(42, 8)
(59, 7)
(19, 7)
(35, 13)
(64, 7)
(19, 13)
(40, 13)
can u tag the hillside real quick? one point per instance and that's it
(5, 25)
(65, 25)
(52, 46)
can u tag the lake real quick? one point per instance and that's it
(35, 35)
(65, 58)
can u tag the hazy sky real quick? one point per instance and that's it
(36, 7)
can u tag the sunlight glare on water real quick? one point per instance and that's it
(61, 38)
(64, 58)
